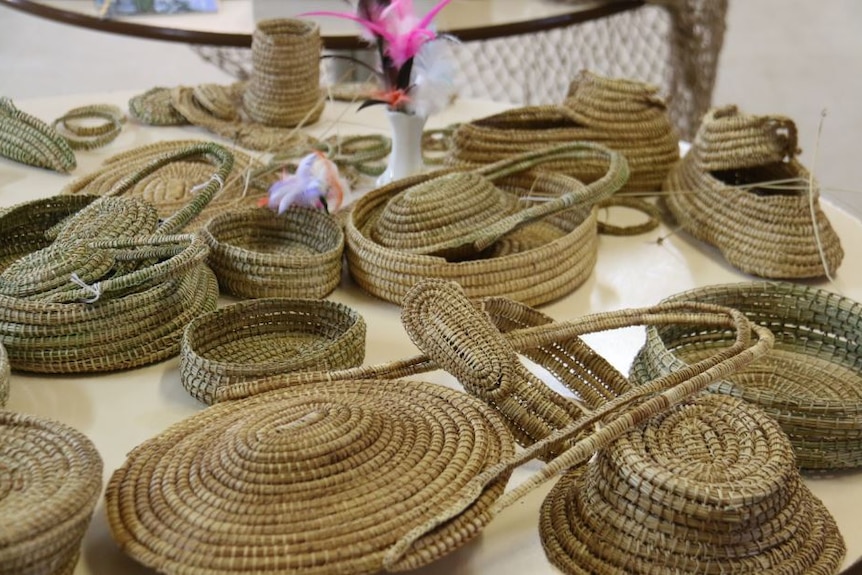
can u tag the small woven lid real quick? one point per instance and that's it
(50, 482)
(708, 486)
(320, 478)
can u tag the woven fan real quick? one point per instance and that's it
(50, 482)
(29, 140)
(741, 189)
(811, 383)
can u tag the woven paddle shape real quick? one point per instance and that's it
(811, 382)
(624, 115)
(28, 140)
(258, 253)
(741, 189)
(4, 376)
(709, 486)
(175, 183)
(284, 88)
(531, 255)
(50, 482)
(321, 478)
(254, 339)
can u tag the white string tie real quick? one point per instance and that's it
(214, 178)
(95, 289)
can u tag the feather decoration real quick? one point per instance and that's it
(315, 184)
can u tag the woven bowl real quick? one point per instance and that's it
(811, 382)
(257, 253)
(708, 486)
(257, 338)
(50, 482)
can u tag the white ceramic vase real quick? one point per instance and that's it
(406, 156)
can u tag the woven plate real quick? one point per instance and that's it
(257, 338)
(811, 383)
(741, 189)
(258, 253)
(320, 479)
(50, 482)
(709, 486)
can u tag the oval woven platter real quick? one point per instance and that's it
(262, 337)
(258, 253)
(709, 486)
(321, 478)
(50, 482)
(811, 382)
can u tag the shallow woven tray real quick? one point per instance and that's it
(811, 382)
(4, 376)
(741, 189)
(665, 498)
(321, 478)
(258, 253)
(254, 339)
(50, 482)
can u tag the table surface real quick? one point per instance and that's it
(234, 23)
(121, 410)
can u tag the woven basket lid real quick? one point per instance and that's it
(320, 478)
(742, 190)
(257, 338)
(258, 253)
(709, 486)
(811, 382)
(50, 482)
(28, 140)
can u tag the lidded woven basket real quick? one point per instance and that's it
(741, 189)
(258, 338)
(709, 486)
(811, 382)
(625, 115)
(50, 482)
(258, 253)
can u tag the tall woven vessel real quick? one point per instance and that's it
(741, 189)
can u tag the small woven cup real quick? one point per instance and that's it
(257, 338)
(284, 88)
(50, 482)
(258, 253)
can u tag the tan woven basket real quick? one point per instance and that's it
(539, 261)
(50, 482)
(741, 189)
(708, 486)
(4, 376)
(258, 253)
(811, 383)
(253, 339)
(624, 115)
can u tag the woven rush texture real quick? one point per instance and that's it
(28, 140)
(258, 253)
(539, 261)
(741, 190)
(624, 115)
(257, 338)
(174, 184)
(50, 482)
(811, 382)
(319, 479)
(709, 486)
(154, 108)
(4, 376)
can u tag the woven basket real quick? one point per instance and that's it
(624, 115)
(258, 253)
(741, 189)
(257, 338)
(707, 487)
(175, 183)
(811, 383)
(50, 482)
(320, 479)
(28, 140)
(4, 376)
(536, 263)
(109, 286)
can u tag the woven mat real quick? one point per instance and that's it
(332, 472)
(709, 486)
(50, 482)
(741, 189)
(810, 383)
